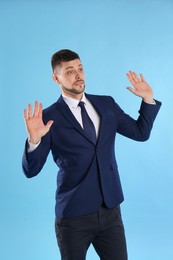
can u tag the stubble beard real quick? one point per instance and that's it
(73, 91)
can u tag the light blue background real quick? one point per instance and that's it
(111, 37)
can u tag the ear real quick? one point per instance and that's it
(55, 78)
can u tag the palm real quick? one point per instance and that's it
(34, 123)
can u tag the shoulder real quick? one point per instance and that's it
(49, 109)
(50, 112)
(103, 100)
(99, 97)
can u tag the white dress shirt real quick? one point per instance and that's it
(76, 110)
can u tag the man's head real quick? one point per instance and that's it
(68, 73)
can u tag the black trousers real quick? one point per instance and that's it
(103, 229)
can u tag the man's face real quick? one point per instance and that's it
(70, 77)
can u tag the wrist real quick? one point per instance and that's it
(34, 140)
(149, 100)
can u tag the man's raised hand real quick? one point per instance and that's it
(34, 124)
(140, 87)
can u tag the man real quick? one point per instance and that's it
(80, 131)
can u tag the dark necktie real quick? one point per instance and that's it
(87, 122)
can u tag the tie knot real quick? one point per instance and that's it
(81, 104)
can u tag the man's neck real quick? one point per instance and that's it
(74, 96)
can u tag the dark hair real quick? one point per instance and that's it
(63, 56)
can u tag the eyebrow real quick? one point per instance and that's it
(71, 67)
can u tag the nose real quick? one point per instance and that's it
(77, 75)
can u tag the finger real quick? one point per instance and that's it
(25, 114)
(132, 90)
(29, 111)
(36, 110)
(49, 124)
(142, 77)
(40, 110)
(134, 76)
(130, 78)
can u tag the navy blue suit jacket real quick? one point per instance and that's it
(88, 173)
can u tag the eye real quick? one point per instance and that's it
(69, 72)
(81, 69)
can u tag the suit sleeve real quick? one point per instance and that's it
(139, 129)
(33, 162)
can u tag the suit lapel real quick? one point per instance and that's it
(65, 110)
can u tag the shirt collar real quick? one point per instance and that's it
(73, 103)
